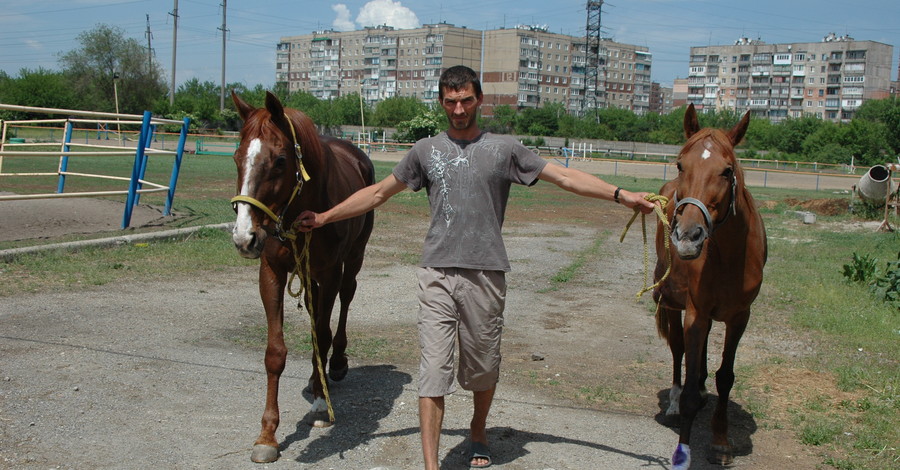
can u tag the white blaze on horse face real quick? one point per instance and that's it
(707, 146)
(243, 226)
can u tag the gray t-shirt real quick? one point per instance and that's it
(468, 186)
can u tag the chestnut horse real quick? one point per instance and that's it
(285, 167)
(718, 250)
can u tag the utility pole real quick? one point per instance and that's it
(174, 49)
(149, 47)
(224, 33)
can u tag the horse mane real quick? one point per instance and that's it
(307, 134)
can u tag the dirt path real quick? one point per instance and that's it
(157, 374)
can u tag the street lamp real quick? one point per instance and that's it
(116, 97)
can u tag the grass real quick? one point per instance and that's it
(854, 338)
(568, 272)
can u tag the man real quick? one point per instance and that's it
(462, 285)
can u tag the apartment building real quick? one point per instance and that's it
(377, 63)
(522, 67)
(660, 98)
(829, 79)
(527, 67)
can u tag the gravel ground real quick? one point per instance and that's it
(138, 374)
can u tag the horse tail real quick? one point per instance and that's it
(662, 316)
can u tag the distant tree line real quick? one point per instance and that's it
(108, 70)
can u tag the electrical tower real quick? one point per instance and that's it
(595, 61)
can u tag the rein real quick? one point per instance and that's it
(660, 211)
(301, 257)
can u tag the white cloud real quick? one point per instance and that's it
(387, 12)
(342, 22)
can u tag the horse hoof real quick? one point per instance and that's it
(721, 455)
(264, 454)
(681, 459)
(319, 420)
(338, 374)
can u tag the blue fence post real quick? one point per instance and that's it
(148, 139)
(64, 159)
(136, 171)
(176, 166)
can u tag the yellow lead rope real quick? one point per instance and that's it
(301, 259)
(661, 213)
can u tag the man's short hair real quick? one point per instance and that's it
(456, 78)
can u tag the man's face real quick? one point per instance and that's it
(461, 107)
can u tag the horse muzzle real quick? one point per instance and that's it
(249, 244)
(688, 240)
(247, 238)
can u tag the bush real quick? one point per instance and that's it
(885, 285)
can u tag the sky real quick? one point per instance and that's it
(33, 34)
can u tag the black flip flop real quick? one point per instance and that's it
(479, 450)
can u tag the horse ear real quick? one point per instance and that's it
(276, 109)
(737, 132)
(691, 123)
(243, 108)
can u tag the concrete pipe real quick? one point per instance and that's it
(875, 185)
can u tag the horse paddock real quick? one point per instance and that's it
(158, 372)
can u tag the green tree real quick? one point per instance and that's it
(430, 122)
(887, 112)
(108, 64)
(788, 135)
(503, 121)
(863, 142)
(394, 110)
(39, 88)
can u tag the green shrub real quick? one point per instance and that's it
(884, 284)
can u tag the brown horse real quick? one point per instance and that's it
(718, 250)
(279, 148)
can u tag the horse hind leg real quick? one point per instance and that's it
(676, 346)
(325, 294)
(721, 451)
(339, 365)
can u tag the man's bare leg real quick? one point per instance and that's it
(431, 417)
(478, 426)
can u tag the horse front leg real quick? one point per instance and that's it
(271, 290)
(721, 449)
(325, 294)
(696, 326)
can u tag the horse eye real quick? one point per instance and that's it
(678, 165)
(280, 162)
(728, 172)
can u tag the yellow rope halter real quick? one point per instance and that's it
(661, 214)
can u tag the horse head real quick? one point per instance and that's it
(705, 190)
(270, 172)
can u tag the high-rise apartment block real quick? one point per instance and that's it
(828, 79)
(522, 67)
